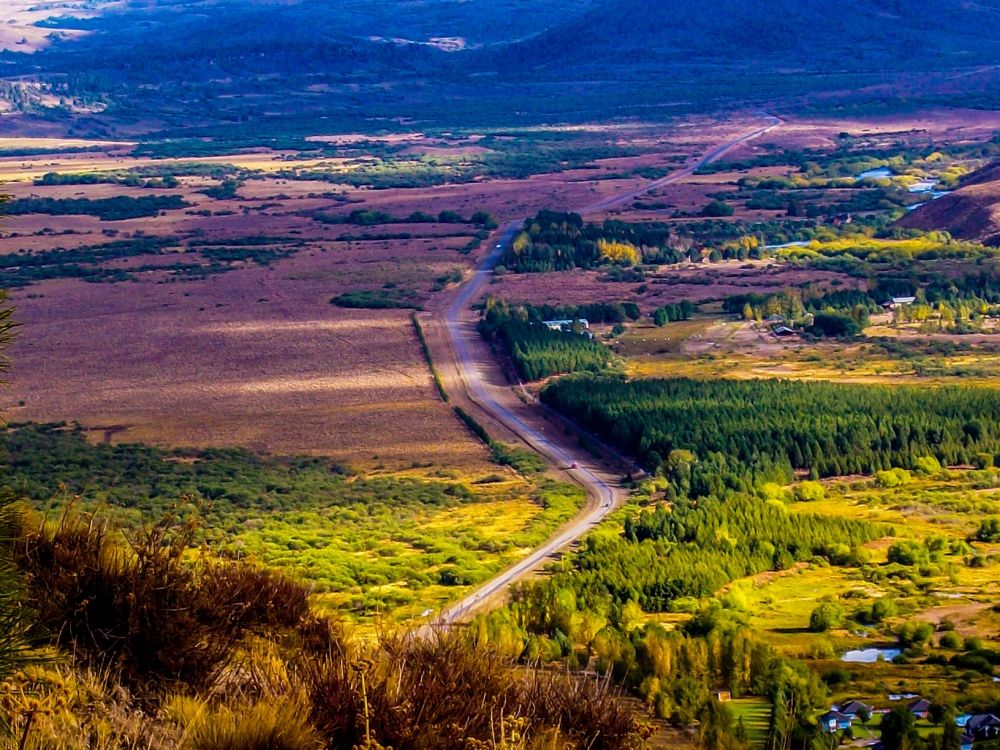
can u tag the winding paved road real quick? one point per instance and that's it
(461, 332)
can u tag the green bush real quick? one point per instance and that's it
(951, 640)
(485, 219)
(883, 609)
(915, 633)
(989, 531)
(717, 209)
(834, 324)
(909, 552)
(927, 465)
(893, 478)
(983, 461)
(809, 491)
(827, 616)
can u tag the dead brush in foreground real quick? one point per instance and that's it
(445, 692)
(136, 606)
(167, 652)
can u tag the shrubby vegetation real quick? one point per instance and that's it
(147, 176)
(119, 208)
(525, 154)
(379, 299)
(86, 262)
(302, 514)
(160, 648)
(843, 167)
(739, 432)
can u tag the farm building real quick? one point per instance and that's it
(855, 709)
(983, 727)
(920, 708)
(898, 302)
(566, 325)
(834, 721)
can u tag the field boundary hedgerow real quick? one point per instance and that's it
(435, 375)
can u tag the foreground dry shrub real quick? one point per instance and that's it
(99, 715)
(137, 620)
(447, 693)
(279, 725)
(251, 598)
(589, 710)
(140, 609)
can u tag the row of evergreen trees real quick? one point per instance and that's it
(539, 352)
(745, 429)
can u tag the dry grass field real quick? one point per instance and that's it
(18, 18)
(255, 358)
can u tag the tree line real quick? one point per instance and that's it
(118, 208)
(693, 551)
(740, 431)
(554, 241)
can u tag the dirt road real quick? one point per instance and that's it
(570, 457)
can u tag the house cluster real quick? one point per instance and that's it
(976, 727)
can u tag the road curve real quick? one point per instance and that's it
(559, 455)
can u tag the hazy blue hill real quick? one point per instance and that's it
(474, 22)
(848, 34)
(190, 63)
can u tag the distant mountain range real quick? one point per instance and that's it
(553, 59)
(805, 34)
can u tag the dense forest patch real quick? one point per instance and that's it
(742, 431)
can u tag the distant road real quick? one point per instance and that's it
(560, 454)
(713, 155)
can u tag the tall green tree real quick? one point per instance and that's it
(899, 730)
